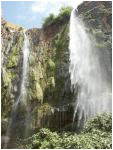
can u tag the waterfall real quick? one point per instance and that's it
(23, 89)
(22, 98)
(88, 73)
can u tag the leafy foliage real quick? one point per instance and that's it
(49, 20)
(101, 122)
(96, 135)
(64, 13)
(44, 139)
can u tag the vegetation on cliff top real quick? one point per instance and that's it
(64, 13)
(48, 76)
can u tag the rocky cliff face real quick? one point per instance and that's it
(49, 97)
(97, 17)
(49, 88)
(11, 59)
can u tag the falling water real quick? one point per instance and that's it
(23, 90)
(88, 73)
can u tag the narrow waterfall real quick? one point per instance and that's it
(22, 98)
(23, 89)
(88, 73)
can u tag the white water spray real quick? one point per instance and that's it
(23, 89)
(88, 73)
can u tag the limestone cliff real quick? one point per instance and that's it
(49, 89)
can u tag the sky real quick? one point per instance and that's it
(30, 14)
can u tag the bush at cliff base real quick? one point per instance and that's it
(97, 134)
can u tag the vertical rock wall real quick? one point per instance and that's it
(49, 97)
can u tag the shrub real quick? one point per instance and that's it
(65, 11)
(96, 135)
(45, 139)
(64, 14)
(49, 20)
(101, 122)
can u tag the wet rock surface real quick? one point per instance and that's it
(50, 98)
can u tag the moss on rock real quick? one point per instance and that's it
(51, 64)
(15, 53)
(36, 92)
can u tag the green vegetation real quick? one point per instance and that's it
(13, 60)
(64, 14)
(15, 51)
(102, 122)
(60, 44)
(36, 93)
(96, 135)
(51, 65)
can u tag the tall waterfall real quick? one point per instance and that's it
(21, 100)
(88, 73)
(23, 89)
